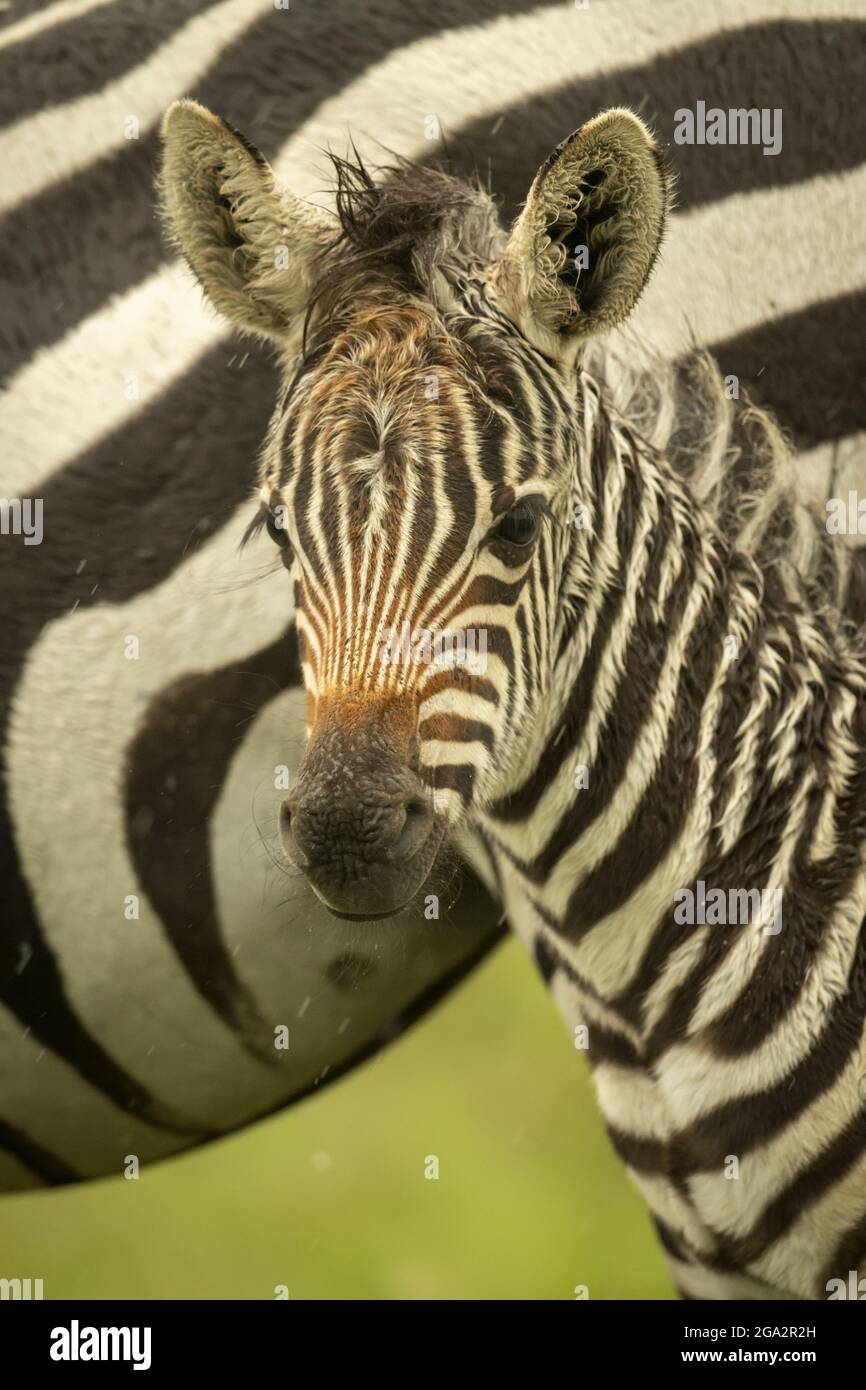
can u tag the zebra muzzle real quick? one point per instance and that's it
(360, 825)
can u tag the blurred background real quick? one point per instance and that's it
(330, 1198)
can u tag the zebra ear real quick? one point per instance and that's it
(582, 249)
(252, 246)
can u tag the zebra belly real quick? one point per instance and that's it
(177, 983)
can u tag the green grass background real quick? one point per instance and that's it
(330, 1198)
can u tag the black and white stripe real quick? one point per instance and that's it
(146, 1036)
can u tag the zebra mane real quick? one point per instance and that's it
(739, 466)
(398, 226)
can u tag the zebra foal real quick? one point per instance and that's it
(669, 722)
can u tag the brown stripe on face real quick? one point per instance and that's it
(459, 778)
(447, 680)
(455, 728)
(384, 417)
(501, 499)
(458, 484)
(304, 479)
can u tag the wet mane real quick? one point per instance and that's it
(402, 232)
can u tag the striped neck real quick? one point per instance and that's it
(687, 690)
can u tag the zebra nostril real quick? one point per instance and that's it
(417, 824)
(288, 819)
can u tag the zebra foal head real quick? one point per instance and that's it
(422, 466)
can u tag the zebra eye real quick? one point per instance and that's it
(276, 531)
(519, 527)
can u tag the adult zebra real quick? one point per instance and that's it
(110, 359)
